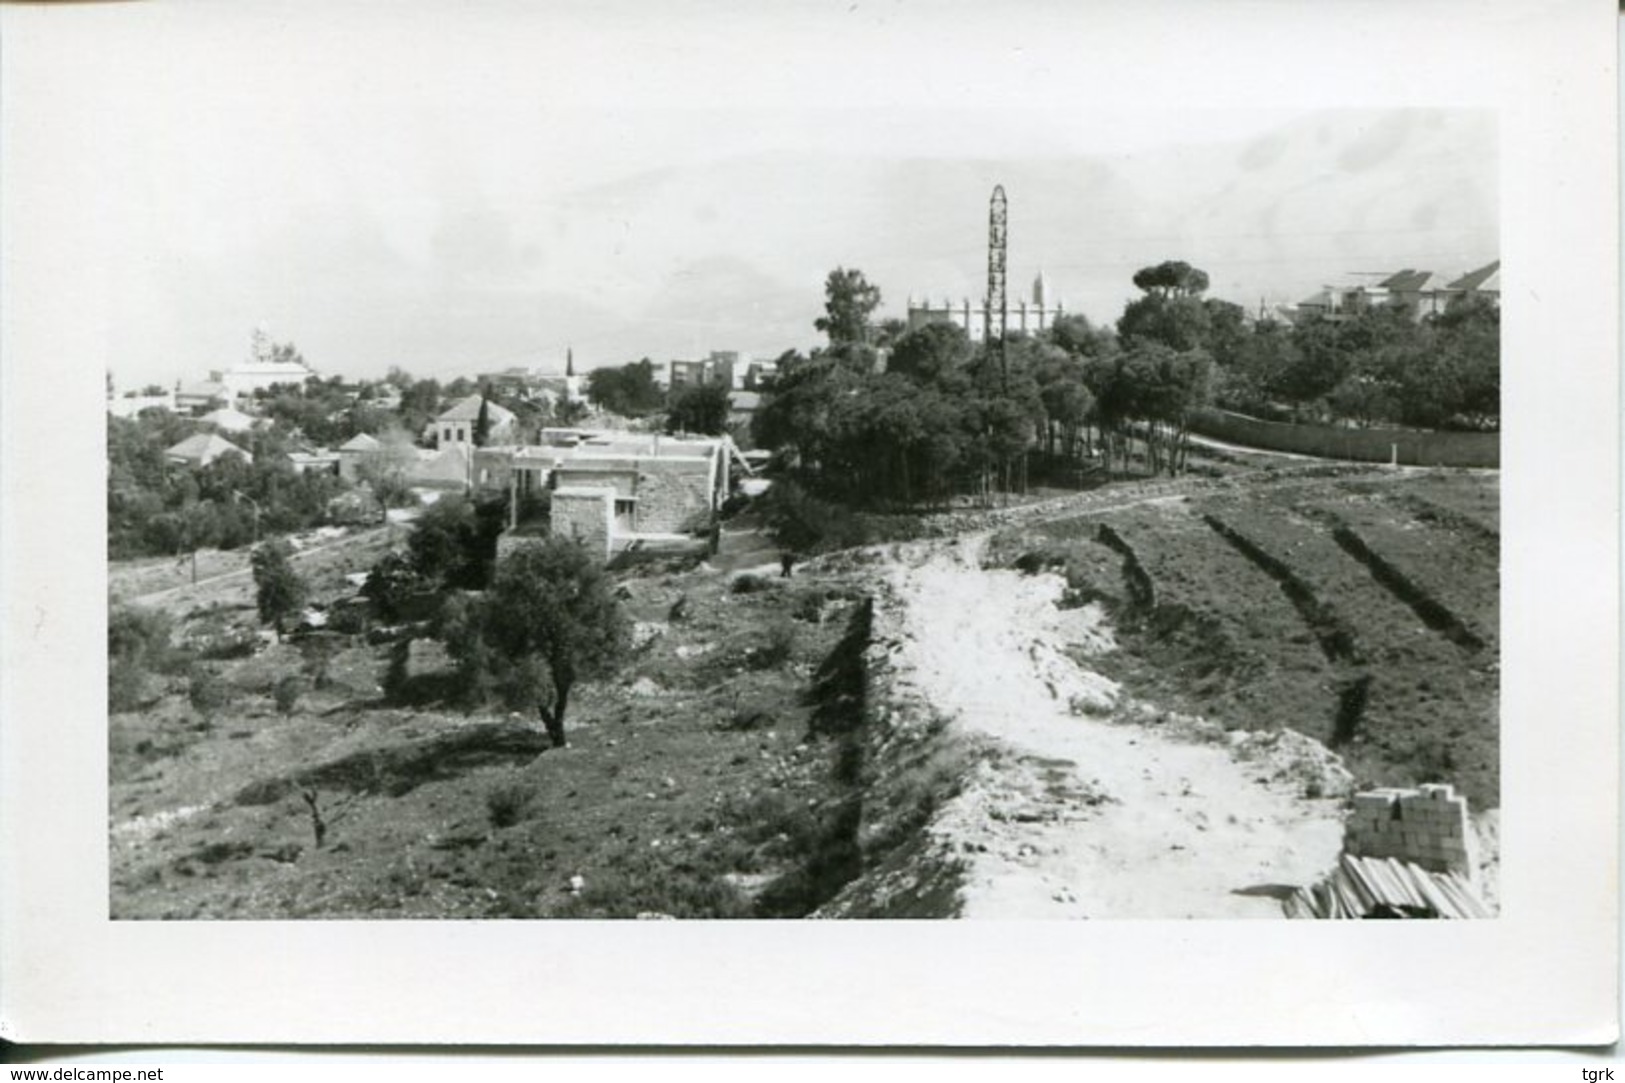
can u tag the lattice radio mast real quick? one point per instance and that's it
(993, 325)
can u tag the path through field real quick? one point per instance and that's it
(1078, 815)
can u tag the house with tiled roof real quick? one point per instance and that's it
(200, 395)
(355, 451)
(203, 448)
(230, 419)
(456, 425)
(1484, 282)
(1411, 290)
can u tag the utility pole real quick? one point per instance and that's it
(244, 496)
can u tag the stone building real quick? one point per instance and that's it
(1022, 316)
(614, 489)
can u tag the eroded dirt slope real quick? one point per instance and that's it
(1091, 805)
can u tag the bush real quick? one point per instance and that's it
(748, 717)
(803, 523)
(809, 607)
(750, 583)
(390, 585)
(139, 636)
(280, 591)
(779, 646)
(507, 803)
(395, 676)
(126, 686)
(137, 643)
(205, 691)
(286, 693)
(393, 491)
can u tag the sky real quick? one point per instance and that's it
(452, 194)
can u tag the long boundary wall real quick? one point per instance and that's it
(1481, 449)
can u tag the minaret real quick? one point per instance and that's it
(569, 361)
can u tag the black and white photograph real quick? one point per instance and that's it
(535, 491)
(852, 530)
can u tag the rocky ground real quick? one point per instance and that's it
(1004, 760)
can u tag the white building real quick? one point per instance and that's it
(1022, 316)
(261, 373)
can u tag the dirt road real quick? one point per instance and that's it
(1081, 813)
(217, 585)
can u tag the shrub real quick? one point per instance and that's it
(126, 685)
(286, 693)
(390, 584)
(205, 691)
(507, 803)
(748, 717)
(280, 591)
(809, 607)
(750, 583)
(780, 644)
(139, 636)
(395, 676)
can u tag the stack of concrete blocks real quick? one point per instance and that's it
(1427, 827)
(586, 514)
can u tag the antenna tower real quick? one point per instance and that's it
(993, 327)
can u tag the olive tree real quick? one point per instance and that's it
(551, 619)
(279, 590)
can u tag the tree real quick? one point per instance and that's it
(385, 469)
(702, 408)
(482, 423)
(1258, 370)
(279, 590)
(629, 390)
(453, 543)
(1080, 338)
(1172, 278)
(1172, 311)
(931, 354)
(849, 300)
(552, 617)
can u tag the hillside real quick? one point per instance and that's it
(1079, 708)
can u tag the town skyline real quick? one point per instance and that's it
(452, 206)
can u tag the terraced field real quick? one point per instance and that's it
(1362, 611)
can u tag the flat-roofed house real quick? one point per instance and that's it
(615, 490)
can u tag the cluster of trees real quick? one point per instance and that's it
(1379, 367)
(629, 390)
(949, 416)
(452, 546)
(549, 621)
(523, 629)
(155, 507)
